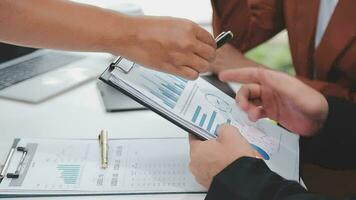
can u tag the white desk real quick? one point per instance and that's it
(79, 113)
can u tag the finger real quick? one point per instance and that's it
(197, 63)
(205, 37)
(256, 113)
(226, 132)
(243, 75)
(242, 98)
(256, 102)
(193, 142)
(185, 72)
(247, 95)
(205, 51)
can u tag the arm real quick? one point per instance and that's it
(327, 125)
(168, 44)
(229, 168)
(252, 21)
(63, 25)
(250, 178)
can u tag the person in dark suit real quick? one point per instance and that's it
(231, 169)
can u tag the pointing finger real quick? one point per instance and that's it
(244, 75)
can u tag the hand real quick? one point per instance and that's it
(280, 97)
(228, 57)
(208, 158)
(171, 45)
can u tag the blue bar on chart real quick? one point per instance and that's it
(169, 94)
(69, 173)
(166, 87)
(211, 121)
(165, 100)
(202, 120)
(196, 114)
(179, 82)
(178, 91)
(181, 79)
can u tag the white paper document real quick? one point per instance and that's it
(202, 108)
(67, 166)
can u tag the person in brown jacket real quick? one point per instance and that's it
(321, 37)
(323, 47)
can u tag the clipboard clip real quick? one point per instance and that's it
(123, 64)
(16, 174)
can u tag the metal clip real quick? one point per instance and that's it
(123, 64)
(20, 165)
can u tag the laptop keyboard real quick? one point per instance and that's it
(35, 66)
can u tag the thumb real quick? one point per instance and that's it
(193, 142)
(227, 133)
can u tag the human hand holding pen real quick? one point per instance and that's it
(172, 45)
(167, 44)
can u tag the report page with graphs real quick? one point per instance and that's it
(200, 108)
(53, 167)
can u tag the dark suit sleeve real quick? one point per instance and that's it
(334, 146)
(251, 179)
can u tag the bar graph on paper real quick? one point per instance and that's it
(209, 122)
(167, 88)
(69, 173)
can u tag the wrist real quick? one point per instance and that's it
(121, 32)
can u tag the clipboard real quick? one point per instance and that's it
(200, 108)
(105, 77)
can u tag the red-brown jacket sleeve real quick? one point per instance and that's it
(251, 21)
(330, 89)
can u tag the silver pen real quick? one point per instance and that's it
(104, 146)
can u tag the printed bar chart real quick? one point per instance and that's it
(196, 114)
(69, 173)
(211, 121)
(204, 121)
(166, 87)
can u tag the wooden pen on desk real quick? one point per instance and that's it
(104, 146)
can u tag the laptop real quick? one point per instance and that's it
(35, 75)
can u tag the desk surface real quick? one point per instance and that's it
(79, 113)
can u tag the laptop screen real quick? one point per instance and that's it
(9, 52)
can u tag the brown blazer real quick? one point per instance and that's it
(334, 60)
